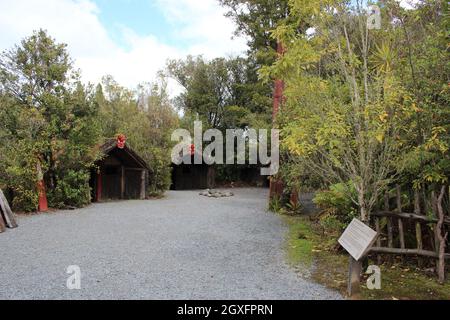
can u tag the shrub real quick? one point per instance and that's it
(332, 224)
(337, 202)
(72, 190)
(161, 176)
(275, 204)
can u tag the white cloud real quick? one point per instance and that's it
(203, 23)
(75, 22)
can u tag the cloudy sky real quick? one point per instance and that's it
(129, 39)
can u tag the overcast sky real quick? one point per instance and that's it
(129, 39)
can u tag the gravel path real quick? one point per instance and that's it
(184, 246)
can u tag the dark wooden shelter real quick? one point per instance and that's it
(121, 174)
(193, 176)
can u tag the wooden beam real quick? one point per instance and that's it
(122, 182)
(8, 215)
(425, 253)
(406, 215)
(389, 221)
(99, 186)
(400, 222)
(143, 185)
(378, 229)
(412, 252)
(417, 211)
(2, 223)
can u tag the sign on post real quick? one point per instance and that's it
(357, 239)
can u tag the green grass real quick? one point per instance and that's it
(399, 282)
(300, 244)
(310, 248)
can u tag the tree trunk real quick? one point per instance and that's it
(363, 208)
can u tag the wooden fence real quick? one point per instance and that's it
(422, 233)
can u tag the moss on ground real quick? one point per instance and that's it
(402, 283)
(310, 247)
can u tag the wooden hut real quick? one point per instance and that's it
(121, 174)
(193, 176)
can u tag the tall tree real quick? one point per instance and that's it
(223, 92)
(256, 19)
(343, 117)
(51, 122)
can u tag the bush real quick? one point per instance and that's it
(337, 202)
(332, 224)
(72, 190)
(18, 173)
(275, 204)
(161, 176)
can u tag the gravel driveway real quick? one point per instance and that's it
(181, 247)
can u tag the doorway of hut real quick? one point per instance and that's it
(193, 177)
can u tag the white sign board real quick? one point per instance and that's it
(357, 239)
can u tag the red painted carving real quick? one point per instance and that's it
(121, 141)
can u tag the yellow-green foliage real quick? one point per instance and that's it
(362, 106)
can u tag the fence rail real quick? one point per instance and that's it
(430, 232)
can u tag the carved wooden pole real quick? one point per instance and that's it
(278, 94)
(43, 204)
(276, 186)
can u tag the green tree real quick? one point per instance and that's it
(224, 93)
(50, 123)
(256, 19)
(343, 118)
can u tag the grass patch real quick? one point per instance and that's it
(300, 244)
(403, 283)
(309, 247)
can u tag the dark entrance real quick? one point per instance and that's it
(192, 176)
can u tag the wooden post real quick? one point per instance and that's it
(354, 277)
(377, 228)
(42, 204)
(442, 237)
(143, 185)
(389, 222)
(122, 182)
(418, 225)
(434, 208)
(400, 222)
(99, 186)
(2, 223)
(389, 225)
